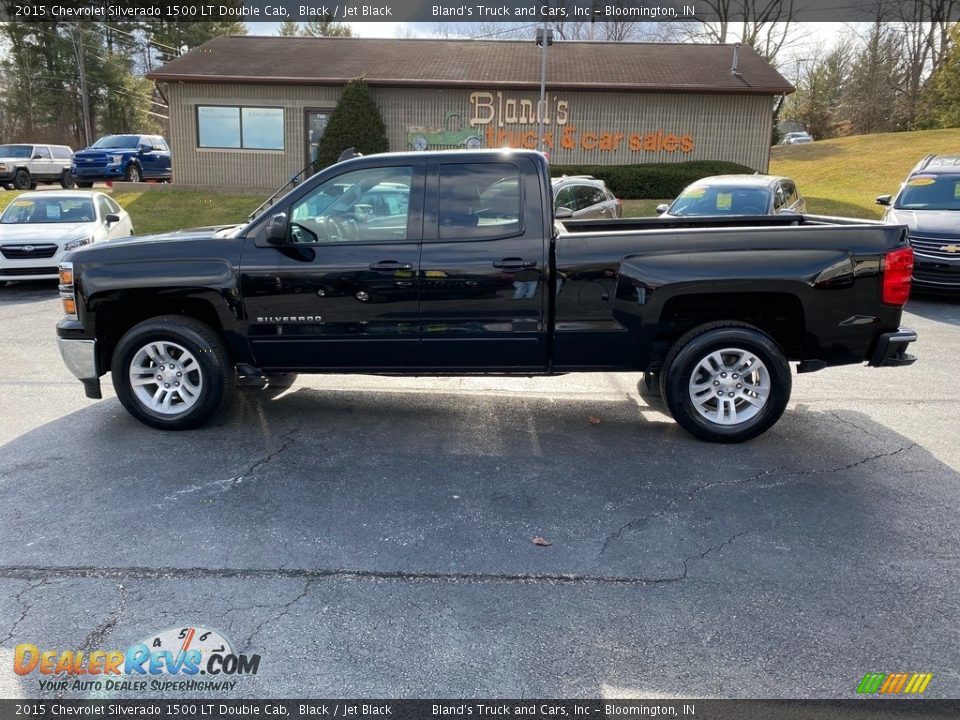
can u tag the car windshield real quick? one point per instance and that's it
(48, 210)
(930, 192)
(117, 141)
(15, 151)
(699, 200)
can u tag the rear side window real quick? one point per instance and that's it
(159, 143)
(480, 201)
(61, 153)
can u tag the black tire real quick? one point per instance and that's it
(218, 374)
(3, 283)
(21, 179)
(83, 183)
(682, 361)
(66, 180)
(133, 173)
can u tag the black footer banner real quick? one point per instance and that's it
(189, 709)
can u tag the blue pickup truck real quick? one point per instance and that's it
(123, 157)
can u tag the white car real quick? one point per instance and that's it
(37, 229)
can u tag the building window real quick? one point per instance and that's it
(248, 128)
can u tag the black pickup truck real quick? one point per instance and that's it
(453, 263)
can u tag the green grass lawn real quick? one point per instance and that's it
(844, 176)
(165, 210)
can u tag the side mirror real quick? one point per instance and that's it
(144, 149)
(37, 157)
(277, 229)
(111, 219)
(883, 200)
(662, 208)
(562, 212)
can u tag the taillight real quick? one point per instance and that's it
(897, 269)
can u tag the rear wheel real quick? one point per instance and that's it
(21, 179)
(66, 180)
(171, 372)
(726, 382)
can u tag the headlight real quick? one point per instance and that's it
(116, 159)
(3, 166)
(74, 244)
(68, 294)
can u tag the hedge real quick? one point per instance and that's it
(651, 181)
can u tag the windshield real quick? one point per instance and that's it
(117, 141)
(930, 192)
(48, 210)
(15, 151)
(699, 200)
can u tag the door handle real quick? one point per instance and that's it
(515, 264)
(391, 265)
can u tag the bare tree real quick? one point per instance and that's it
(764, 25)
(924, 36)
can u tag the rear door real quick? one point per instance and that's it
(343, 291)
(483, 270)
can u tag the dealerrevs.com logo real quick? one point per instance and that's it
(172, 660)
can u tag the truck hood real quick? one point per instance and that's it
(936, 223)
(192, 235)
(40, 233)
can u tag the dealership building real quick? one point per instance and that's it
(249, 111)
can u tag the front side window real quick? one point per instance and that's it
(479, 200)
(370, 205)
(565, 198)
(245, 128)
(41, 152)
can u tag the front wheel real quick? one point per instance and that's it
(21, 179)
(726, 382)
(171, 372)
(133, 174)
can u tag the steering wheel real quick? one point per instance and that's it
(341, 229)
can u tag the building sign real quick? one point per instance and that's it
(499, 120)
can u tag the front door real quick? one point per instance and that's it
(483, 268)
(343, 291)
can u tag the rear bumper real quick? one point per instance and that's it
(892, 349)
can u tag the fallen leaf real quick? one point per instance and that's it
(541, 541)
(594, 420)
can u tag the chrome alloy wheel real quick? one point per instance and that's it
(165, 377)
(729, 386)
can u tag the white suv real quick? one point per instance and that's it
(23, 165)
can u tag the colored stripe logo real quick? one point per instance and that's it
(894, 683)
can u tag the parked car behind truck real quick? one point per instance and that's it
(470, 279)
(928, 203)
(123, 157)
(24, 165)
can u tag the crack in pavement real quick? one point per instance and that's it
(20, 572)
(286, 610)
(615, 536)
(96, 636)
(26, 608)
(286, 441)
(853, 424)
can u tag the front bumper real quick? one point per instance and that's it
(80, 357)
(891, 349)
(99, 172)
(937, 274)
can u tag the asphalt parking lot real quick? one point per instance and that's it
(373, 536)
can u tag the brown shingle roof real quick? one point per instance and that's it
(660, 67)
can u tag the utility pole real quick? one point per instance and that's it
(544, 40)
(84, 97)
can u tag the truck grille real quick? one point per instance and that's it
(934, 247)
(28, 252)
(10, 272)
